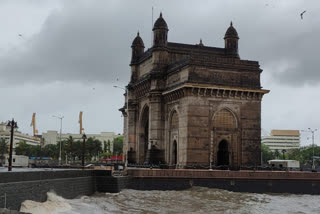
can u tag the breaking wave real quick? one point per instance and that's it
(54, 204)
(194, 200)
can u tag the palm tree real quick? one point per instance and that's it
(70, 142)
(276, 153)
(3, 149)
(283, 152)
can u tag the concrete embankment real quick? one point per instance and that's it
(239, 181)
(16, 187)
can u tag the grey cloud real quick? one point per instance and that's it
(91, 41)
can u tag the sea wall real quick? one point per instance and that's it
(20, 186)
(16, 187)
(239, 181)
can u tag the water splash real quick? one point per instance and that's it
(53, 205)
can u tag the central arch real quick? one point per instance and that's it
(223, 154)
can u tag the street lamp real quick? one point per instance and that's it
(127, 111)
(60, 135)
(12, 124)
(312, 131)
(84, 137)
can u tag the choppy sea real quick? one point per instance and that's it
(194, 200)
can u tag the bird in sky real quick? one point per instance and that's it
(301, 14)
(20, 35)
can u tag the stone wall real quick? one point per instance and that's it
(238, 181)
(21, 186)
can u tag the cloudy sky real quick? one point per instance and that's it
(62, 57)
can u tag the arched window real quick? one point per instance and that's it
(174, 123)
(224, 119)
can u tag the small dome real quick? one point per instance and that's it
(160, 23)
(137, 41)
(231, 32)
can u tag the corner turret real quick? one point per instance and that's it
(160, 32)
(137, 48)
(231, 41)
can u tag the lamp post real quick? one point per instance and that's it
(60, 135)
(127, 124)
(84, 137)
(13, 125)
(312, 131)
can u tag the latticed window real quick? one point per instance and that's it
(224, 119)
(174, 121)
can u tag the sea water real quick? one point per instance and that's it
(194, 200)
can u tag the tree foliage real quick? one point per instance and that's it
(3, 148)
(118, 145)
(70, 149)
(267, 154)
(302, 154)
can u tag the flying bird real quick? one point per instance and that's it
(20, 34)
(301, 14)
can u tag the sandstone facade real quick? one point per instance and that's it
(192, 104)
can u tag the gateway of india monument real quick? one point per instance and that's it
(192, 104)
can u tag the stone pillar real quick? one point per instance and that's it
(155, 148)
(132, 133)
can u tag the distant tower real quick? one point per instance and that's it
(160, 32)
(231, 41)
(137, 48)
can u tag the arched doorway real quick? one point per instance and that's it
(175, 152)
(173, 138)
(224, 138)
(223, 154)
(144, 135)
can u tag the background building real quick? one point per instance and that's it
(282, 139)
(52, 137)
(18, 136)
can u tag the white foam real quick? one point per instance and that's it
(53, 205)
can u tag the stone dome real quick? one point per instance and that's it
(231, 32)
(137, 41)
(160, 23)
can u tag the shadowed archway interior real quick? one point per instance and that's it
(223, 153)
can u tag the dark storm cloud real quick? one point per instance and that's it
(90, 41)
(79, 42)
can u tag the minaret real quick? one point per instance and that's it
(231, 41)
(137, 51)
(137, 48)
(160, 32)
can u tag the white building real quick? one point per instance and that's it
(17, 160)
(18, 136)
(52, 137)
(282, 140)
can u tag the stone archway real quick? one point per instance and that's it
(173, 138)
(175, 153)
(224, 144)
(144, 135)
(223, 154)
